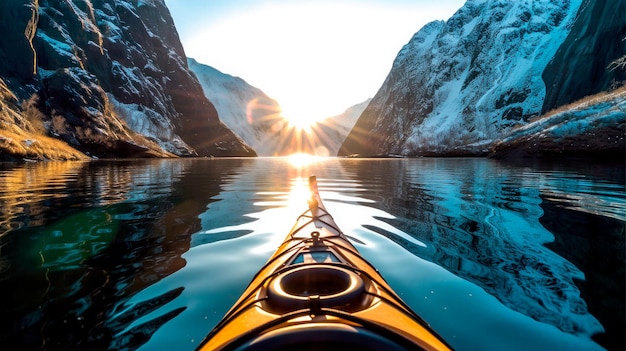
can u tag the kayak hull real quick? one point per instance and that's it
(317, 292)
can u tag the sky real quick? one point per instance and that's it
(317, 58)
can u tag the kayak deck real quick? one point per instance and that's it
(316, 292)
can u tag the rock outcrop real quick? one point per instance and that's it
(111, 78)
(583, 65)
(593, 128)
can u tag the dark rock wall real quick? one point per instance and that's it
(16, 56)
(580, 66)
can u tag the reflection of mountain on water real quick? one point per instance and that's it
(26, 189)
(134, 337)
(70, 269)
(487, 227)
(596, 244)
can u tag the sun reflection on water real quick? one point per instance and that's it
(299, 193)
(301, 160)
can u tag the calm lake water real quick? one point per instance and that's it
(150, 254)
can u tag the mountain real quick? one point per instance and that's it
(322, 138)
(256, 117)
(248, 111)
(108, 77)
(331, 132)
(459, 86)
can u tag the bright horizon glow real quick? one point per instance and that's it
(300, 159)
(316, 58)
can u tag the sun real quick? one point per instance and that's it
(301, 123)
(300, 118)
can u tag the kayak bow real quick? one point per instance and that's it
(316, 292)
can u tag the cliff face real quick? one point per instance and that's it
(582, 65)
(459, 86)
(111, 78)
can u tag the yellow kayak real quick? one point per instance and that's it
(317, 292)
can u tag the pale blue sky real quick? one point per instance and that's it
(316, 57)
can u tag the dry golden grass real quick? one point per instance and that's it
(20, 144)
(24, 136)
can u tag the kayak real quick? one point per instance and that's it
(316, 292)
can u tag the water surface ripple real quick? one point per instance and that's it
(150, 254)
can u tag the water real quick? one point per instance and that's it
(150, 254)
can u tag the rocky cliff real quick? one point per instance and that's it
(582, 65)
(458, 86)
(110, 78)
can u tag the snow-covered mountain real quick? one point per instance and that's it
(256, 118)
(459, 86)
(344, 122)
(248, 111)
(108, 77)
(331, 132)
